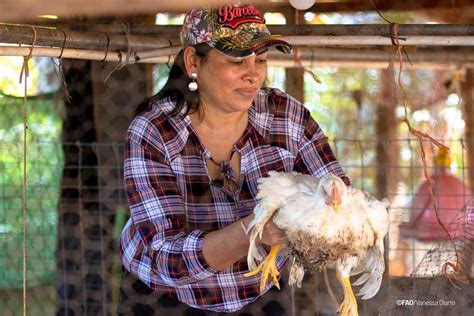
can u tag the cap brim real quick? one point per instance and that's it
(262, 44)
(257, 46)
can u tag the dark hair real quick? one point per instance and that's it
(176, 86)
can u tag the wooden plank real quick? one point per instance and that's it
(28, 10)
(312, 35)
(20, 11)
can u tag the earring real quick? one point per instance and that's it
(193, 85)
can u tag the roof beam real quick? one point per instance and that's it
(21, 11)
(152, 37)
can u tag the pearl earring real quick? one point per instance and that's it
(193, 85)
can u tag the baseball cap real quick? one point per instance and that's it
(235, 30)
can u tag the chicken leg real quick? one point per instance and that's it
(267, 267)
(349, 305)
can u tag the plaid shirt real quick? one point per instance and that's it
(174, 203)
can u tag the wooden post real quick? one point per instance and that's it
(467, 95)
(467, 91)
(76, 284)
(99, 113)
(294, 77)
(116, 93)
(387, 148)
(385, 131)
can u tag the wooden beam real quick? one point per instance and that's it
(431, 54)
(375, 58)
(142, 38)
(29, 10)
(291, 29)
(20, 11)
(384, 5)
(318, 58)
(152, 43)
(57, 37)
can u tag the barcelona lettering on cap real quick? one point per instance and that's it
(235, 30)
(234, 16)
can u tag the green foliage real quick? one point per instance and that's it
(345, 118)
(160, 76)
(9, 81)
(344, 103)
(44, 171)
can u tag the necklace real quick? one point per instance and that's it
(228, 178)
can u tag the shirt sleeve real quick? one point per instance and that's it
(315, 155)
(156, 246)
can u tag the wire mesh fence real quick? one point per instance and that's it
(76, 205)
(76, 208)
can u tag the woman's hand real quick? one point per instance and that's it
(225, 246)
(272, 235)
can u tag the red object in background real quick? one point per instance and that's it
(450, 194)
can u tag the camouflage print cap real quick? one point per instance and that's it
(235, 30)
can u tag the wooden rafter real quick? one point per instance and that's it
(147, 37)
(21, 11)
(338, 45)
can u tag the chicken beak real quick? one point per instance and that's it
(336, 199)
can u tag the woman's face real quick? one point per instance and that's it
(229, 84)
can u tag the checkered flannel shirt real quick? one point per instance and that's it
(173, 202)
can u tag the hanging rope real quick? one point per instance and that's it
(455, 267)
(25, 71)
(129, 52)
(106, 50)
(59, 68)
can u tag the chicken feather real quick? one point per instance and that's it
(324, 221)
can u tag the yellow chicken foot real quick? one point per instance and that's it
(267, 267)
(349, 305)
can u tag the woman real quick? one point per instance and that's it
(194, 153)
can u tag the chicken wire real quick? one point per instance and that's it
(94, 187)
(73, 267)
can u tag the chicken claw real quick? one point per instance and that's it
(267, 267)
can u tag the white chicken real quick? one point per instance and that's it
(324, 221)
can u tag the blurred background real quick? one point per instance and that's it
(92, 63)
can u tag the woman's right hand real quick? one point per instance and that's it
(272, 235)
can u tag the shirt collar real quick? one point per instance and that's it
(180, 125)
(261, 113)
